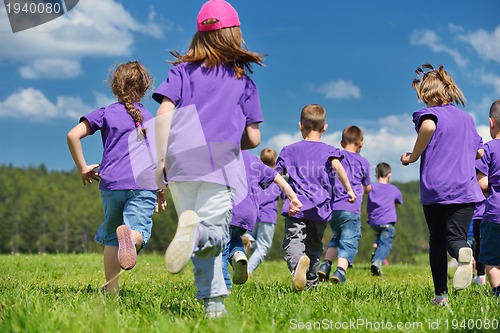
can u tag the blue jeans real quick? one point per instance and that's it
(133, 208)
(346, 227)
(235, 244)
(385, 233)
(263, 234)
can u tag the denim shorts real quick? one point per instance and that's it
(346, 227)
(490, 245)
(134, 208)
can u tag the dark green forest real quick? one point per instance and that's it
(45, 211)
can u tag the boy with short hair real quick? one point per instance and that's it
(310, 165)
(381, 209)
(345, 222)
(489, 180)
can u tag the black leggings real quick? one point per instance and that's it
(448, 227)
(477, 245)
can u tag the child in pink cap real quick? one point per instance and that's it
(217, 113)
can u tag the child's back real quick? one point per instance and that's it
(308, 164)
(381, 204)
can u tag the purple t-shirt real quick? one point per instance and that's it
(268, 204)
(381, 205)
(447, 165)
(492, 169)
(117, 127)
(358, 173)
(308, 164)
(258, 174)
(213, 109)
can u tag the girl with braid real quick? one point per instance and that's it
(128, 205)
(448, 145)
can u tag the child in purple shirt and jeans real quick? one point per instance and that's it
(311, 165)
(447, 138)
(489, 180)
(346, 216)
(217, 113)
(381, 209)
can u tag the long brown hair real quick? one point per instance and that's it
(129, 83)
(436, 87)
(223, 46)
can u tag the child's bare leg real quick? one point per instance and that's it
(137, 238)
(111, 268)
(331, 253)
(493, 273)
(343, 262)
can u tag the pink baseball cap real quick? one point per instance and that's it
(219, 10)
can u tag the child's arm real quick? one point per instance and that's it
(480, 153)
(342, 175)
(160, 200)
(251, 137)
(295, 204)
(87, 172)
(163, 122)
(482, 179)
(425, 132)
(368, 188)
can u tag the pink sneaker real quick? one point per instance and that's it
(127, 254)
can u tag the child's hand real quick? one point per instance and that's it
(295, 206)
(405, 159)
(160, 201)
(89, 173)
(352, 196)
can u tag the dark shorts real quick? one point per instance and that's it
(490, 244)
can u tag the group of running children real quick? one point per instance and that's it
(226, 198)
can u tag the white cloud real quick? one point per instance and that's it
(339, 89)
(34, 106)
(384, 141)
(51, 68)
(493, 80)
(486, 44)
(431, 39)
(94, 28)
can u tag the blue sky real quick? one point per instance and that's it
(356, 58)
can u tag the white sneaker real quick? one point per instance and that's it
(480, 280)
(184, 242)
(300, 273)
(239, 262)
(463, 275)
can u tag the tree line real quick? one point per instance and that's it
(45, 211)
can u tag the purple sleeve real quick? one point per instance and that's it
(281, 162)
(267, 175)
(421, 115)
(95, 119)
(399, 196)
(367, 180)
(251, 105)
(483, 162)
(171, 87)
(335, 153)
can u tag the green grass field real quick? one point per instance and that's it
(59, 293)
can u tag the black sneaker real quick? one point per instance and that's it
(375, 268)
(324, 271)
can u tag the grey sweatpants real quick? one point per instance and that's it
(304, 237)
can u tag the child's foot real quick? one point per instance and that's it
(299, 274)
(463, 275)
(214, 307)
(240, 267)
(127, 254)
(184, 242)
(375, 268)
(480, 280)
(338, 276)
(324, 271)
(441, 300)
